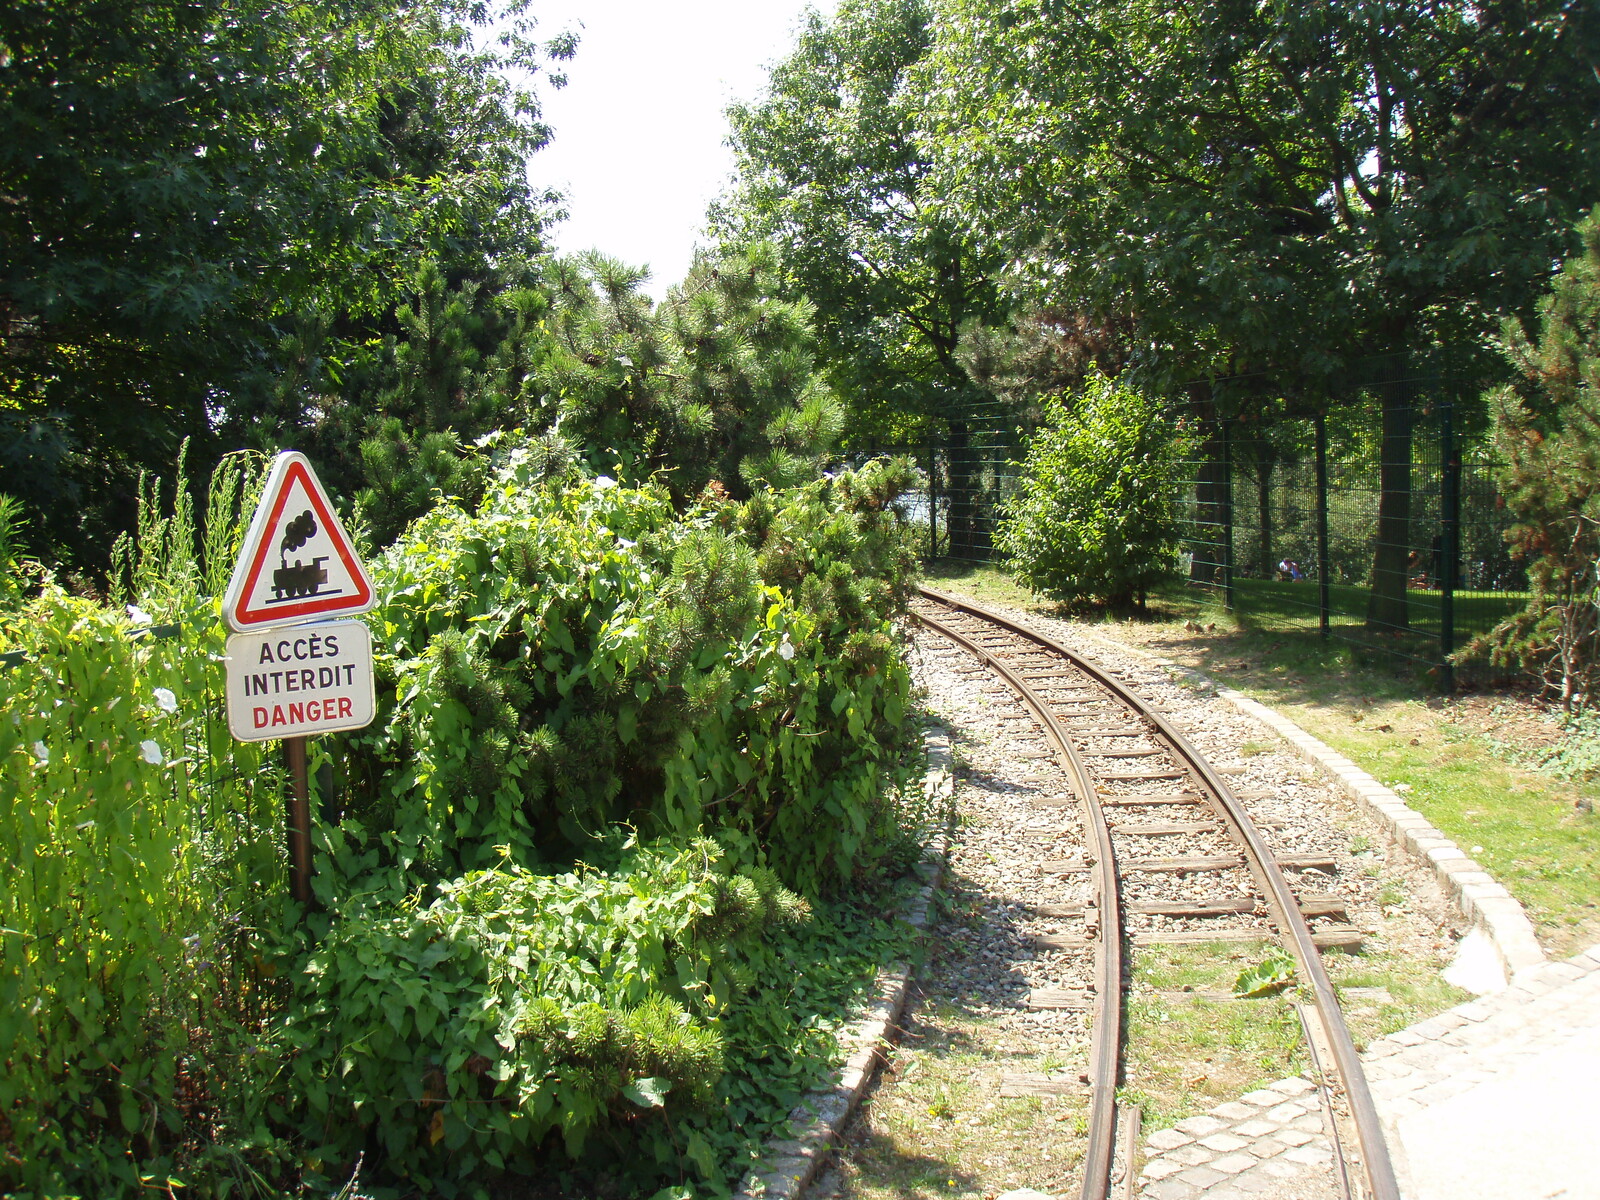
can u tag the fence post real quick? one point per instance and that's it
(1449, 540)
(933, 503)
(1324, 559)
(1227, 514)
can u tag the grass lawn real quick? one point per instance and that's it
(1461, 761)
(1269, 603)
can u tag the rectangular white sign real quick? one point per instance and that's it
(299, 680)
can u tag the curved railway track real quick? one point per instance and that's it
(1114, 747)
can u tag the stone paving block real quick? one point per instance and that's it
(1292, 1086)
(1311, 1123)
(1160, 1168)
(1253, 1181)
(1200, 1126)
(1192, 1156)
(1167, 1139)
(1255, 1129)
(1405, 1038)
(1263, 1098)
(1443, 1090)
(1428, 1030)
(1233, 1111)
(1171, 1189)
(1292, 1137)
(1289, 1110)
(1223, 1143)
(1200, 1177)
(1312, 1156)
(1279, 1169)
(1232, 1164)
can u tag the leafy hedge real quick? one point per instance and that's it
(1095, 517)
(558, 913)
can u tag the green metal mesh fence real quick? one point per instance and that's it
(1372, 515)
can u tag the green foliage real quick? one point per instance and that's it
(832, 174)
(718, 383)
(500, 974)
(191, 184)
(1547, 430)
(461, 1034)
(1095, 516)
(572, 655)
(134, 995)
(1269, 187)
(13, 526)
(1277, 971)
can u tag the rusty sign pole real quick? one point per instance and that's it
(294, 753)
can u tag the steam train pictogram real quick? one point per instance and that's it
(289, 582)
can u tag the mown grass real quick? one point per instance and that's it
(1536, 833)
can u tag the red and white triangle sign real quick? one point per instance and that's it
(297, 562)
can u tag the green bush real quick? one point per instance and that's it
(559, 884)
(568, 660)
(1095, 517)
(517, 1006)
(572, 655)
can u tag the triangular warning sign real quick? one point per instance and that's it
(297, 562)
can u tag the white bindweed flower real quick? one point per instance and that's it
(785, 650)
(626, 544)
(167, 702)
(150, 752)
(604, 483)
(138, 615)
(41, 752)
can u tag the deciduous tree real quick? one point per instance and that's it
(1276, 188)
(832, 172)
(181, 180)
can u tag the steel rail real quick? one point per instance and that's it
(1106, 1027)
(1376, 1165)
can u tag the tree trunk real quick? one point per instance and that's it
(1386, 606)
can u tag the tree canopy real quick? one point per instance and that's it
(1272, 186)
(832, 172)
(182, 181)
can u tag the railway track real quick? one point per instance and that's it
(1140, 786)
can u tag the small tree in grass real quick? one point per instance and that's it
(1096, 515)
(1547, 429)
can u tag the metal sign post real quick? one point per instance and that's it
(294, 753)
(293, 670)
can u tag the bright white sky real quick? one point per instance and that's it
(638, 146)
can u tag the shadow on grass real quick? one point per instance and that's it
(1272, 640)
